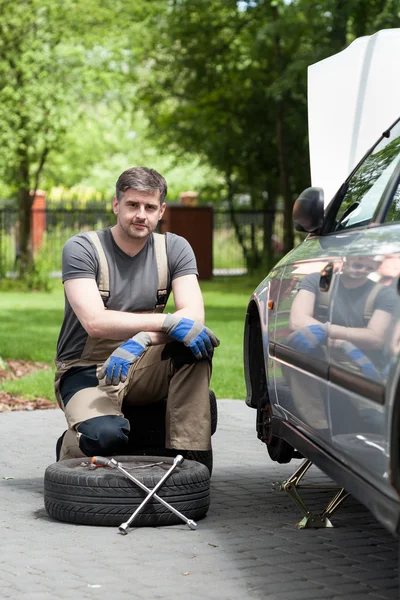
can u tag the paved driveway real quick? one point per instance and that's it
(247, 547)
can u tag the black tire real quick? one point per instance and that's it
(76, 492)
(214, 412)
(204, 457)
(279, 450)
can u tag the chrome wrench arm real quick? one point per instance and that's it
(106, 462)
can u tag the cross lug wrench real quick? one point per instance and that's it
(123, 528)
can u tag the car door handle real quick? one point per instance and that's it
(326, 277)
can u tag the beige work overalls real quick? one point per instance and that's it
(188, 424)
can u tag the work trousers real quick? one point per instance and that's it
(94, 411)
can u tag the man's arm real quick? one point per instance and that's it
(85, 300)
(188, 297)
(301, 313)
(371, 336)
(188, 302)
(186, 325)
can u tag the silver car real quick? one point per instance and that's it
(322, 339)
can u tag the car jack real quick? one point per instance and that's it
(310, 519)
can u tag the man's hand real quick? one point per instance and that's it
(192, 334)
(116, 367)
(359, 358)
(308, 338)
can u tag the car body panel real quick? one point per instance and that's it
(365, 435)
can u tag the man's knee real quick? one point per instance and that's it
(105, 435)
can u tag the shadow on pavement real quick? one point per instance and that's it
(257, 528)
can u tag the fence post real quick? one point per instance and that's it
(195, 224)
(38, 221)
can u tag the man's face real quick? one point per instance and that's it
(357, 270)
(138, 213)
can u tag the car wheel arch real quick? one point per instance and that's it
(254, 354)
(394, 446)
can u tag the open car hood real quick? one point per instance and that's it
(353, 96)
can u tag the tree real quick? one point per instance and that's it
(228, 80)
(217, 82)
(103, 142)
(56, 57)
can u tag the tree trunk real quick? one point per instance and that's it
(284, 179)
(269, 221)
(25, 201)
(255, 251)
(283, 162)
(234, 221)
(339, 25)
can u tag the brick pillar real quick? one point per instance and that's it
(38, 222)
(189, 198)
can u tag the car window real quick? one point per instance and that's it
(366, 186)
(394, 210)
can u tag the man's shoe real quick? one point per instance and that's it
(58, 446)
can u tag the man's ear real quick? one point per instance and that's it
(115, 205)
(162, 211)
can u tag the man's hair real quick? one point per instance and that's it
(141, 179)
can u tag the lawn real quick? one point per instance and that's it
(30, 322)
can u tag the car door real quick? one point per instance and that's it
(365, 310)
(300, 352)
(270, 306)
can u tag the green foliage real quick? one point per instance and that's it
(215, 82)
(56, 58)
(38, 278)
(100, 146)
(229, 80)
(212, 93)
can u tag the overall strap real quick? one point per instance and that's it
(162, 269)
(321, 308)
(104, 279)
(370, 301)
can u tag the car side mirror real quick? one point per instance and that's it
(308, 210)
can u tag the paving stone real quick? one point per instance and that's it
(359, 596)
(247, 547)
(349, 588)
(306, 594)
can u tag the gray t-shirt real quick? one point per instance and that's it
(349, 303)
(133, 279)
(349, 307)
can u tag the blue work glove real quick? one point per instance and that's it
(192, 334)
(116, 367)
(308, 338)
(359, 358)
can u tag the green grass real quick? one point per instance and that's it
(30, 323)
(37, 385)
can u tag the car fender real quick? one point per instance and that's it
(392, 401)
(256, 340)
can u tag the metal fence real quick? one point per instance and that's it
(60, 224)
(228, 253)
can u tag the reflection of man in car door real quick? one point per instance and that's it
(348, 329)
(355, 323)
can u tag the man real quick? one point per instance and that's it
(347, 330)
(111, 348)
(355, 324)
